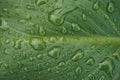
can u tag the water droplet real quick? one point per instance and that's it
(19, 64)
(55, 17)
(22, 21)
(11, 71)
(24, 55)
(54, 52)
(40, 56)
(3, 24)
(30, 7)
(7, 41)
(6, 66)
(49, 70)
(28, 16)
(108, 66)
(37, 44)
(89, 12)
(32, 58)
(61, 64)
(96, 6)
(64, 30)
(110, 7)
(40, 2)
(78, 70)
(42, 31)
(106, 16)
(91, 77)
(84, 17)
(78, 55)
(116, 54)
(17, 44)
(75, 27)
(102, 78)
(25, 69)
(5, 10)
(90, 61)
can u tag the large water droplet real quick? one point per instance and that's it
(96, 6)
(78, 55)
(54, 52)
(90, 61)
(37, 44)
(75, 27)
(78, 70)
(56, 17)
(108, 66)
(61, 64)
(40, 2)
(110, 7)
(42, 31)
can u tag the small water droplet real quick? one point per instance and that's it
(64, 30)
(17, 44)
(96, 6)
(108, 66)
(110, 7)
(37, 44)
(6, 66)
(22, 21)
(90, 61)
(7, 41)
(78, 70)
(89, 12)
(54, 52)
(106, 16)
(102, 78)
(19, 64)
(116, 54)
(40, 2)
(42, 31)
(78, 55)
(49, 70)
(75, 27)
(61, 64)
(91, 77)
(25, 69)
(84, 17)
(5, 10)
(30, 7)
(40, 56)
(32, 58)
(24, 55)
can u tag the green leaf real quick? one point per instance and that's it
(59, 40)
